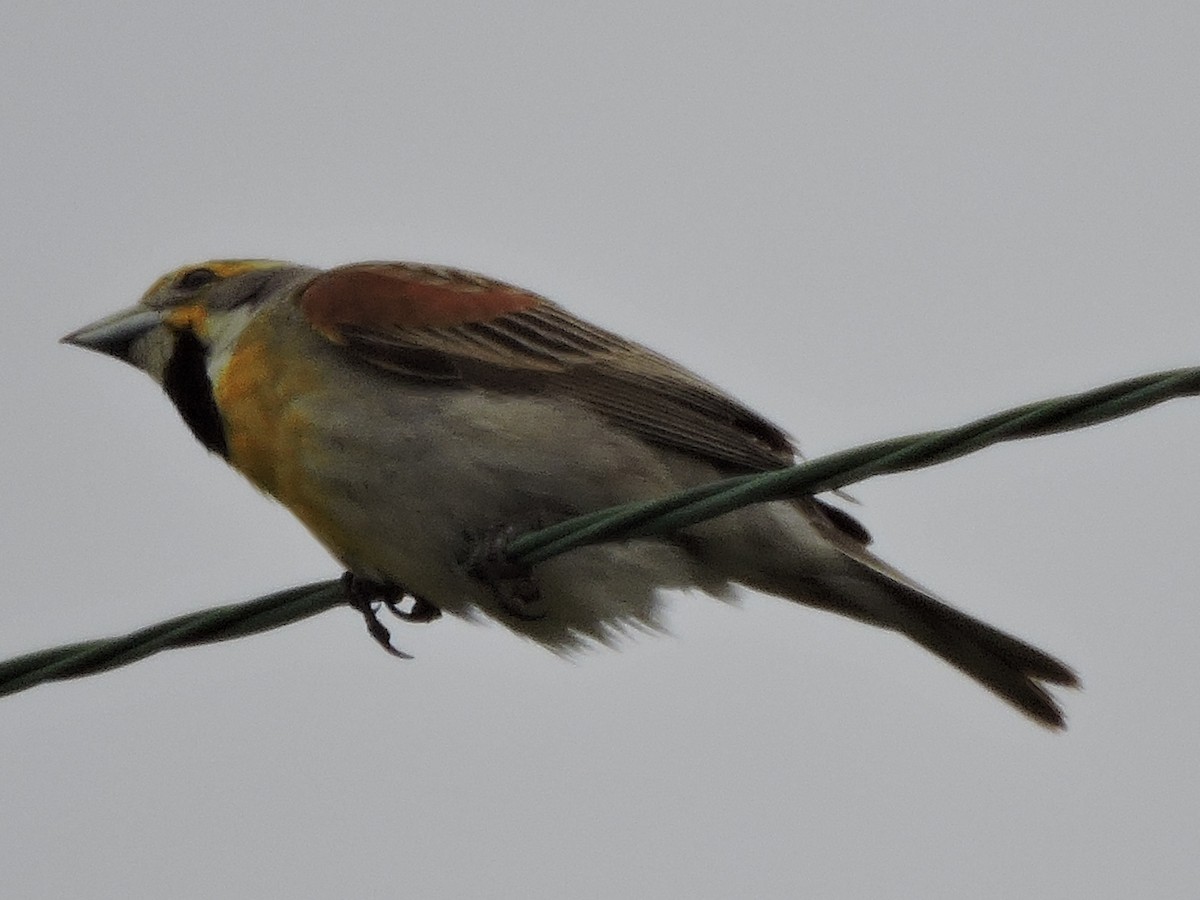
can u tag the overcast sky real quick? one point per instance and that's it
(862, 219)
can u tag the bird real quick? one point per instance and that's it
(415, 417)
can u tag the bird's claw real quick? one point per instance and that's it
(362, 594)
(421, 610)
(512, 583)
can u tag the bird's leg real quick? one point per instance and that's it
(363, 593)
(511, 582)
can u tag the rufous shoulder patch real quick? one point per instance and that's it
(386, 296)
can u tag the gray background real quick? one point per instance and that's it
(863, 219)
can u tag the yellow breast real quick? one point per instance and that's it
(272, 441)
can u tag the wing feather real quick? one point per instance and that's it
(493, 335)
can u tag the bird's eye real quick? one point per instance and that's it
(195, 278)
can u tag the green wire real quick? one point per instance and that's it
(641, 519)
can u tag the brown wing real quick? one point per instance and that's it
(453, 327)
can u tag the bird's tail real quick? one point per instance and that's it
(1005, 665)
(852, 581)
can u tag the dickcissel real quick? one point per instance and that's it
(410, 414)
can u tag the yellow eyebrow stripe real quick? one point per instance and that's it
(228, 268)
(188, 318)
(225, 268)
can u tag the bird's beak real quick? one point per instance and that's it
(115, 334)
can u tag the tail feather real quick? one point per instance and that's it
(801, 551)
(1005, 665)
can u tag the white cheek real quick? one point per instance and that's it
(223, 332)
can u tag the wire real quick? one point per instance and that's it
(633, 520)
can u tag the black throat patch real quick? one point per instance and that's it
(186, 383)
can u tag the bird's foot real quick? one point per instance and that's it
(420, 612)
(363, 594)
(512, 583)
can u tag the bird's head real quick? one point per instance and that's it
(189, 315)
(181, 332)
